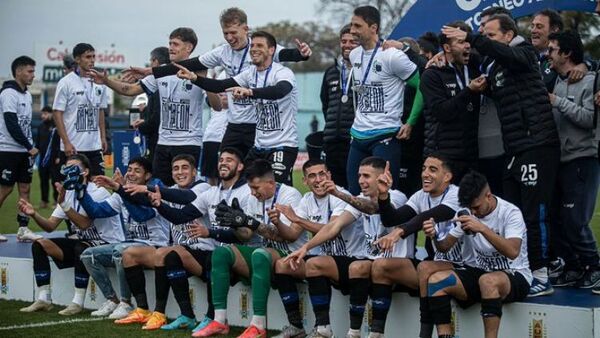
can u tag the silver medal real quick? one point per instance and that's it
(344, 98)
(137, 139)
(470, 106)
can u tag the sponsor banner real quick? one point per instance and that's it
(16, 278)
(437, 13)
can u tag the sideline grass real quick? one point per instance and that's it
(75, 326)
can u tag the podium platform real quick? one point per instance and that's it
(569, 312)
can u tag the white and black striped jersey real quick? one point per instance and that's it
(349, 242)
(404, 248)
(103, 230)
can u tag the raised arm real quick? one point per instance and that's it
(123, 88)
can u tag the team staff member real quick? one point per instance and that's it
(578, 179)
(338, 110)
(16, 144)
(234, 57)
(273, 91)
(499, 272)
(528, 129)
(181, 109)
(79, 111)
(379, 79)
(65, 252)
(452, 97)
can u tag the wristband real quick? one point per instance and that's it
(253, 224)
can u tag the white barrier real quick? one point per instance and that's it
(519, 319)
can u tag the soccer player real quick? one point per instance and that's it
(317, 208)
(273, 92)
(235, 57)
(180, 129)
(380, 77)
(500, 270)
(143, 227)
(16, 144)
(79, 114)
(271, 237)
(438, 200)
(65, 252)
(352, 274)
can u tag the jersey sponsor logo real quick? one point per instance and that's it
(87, 118)
(139, 230)
(175, 115)
(491, 260)
(80, 93)
(243, 102)
(370, 98)
(268, 116)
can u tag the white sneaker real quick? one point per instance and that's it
(3, 238)
(26, 235)
(290, 331)
(38, 305)
(106, 309)
(353, 334)
(121, 311)
(375, 335)
(321, 332)
(70, 310)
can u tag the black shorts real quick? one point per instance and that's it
(469, 277)
(96, 161)
(239, 136)
(15, 167)
(203, 258)
(163, 155)
(282, 161)
(71, 249)
(342, 264)
(210, 159)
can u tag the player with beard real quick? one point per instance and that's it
(351, 275)
(273, 91)
(180, 130)
(338, 108)
(452, 97)
(194, 242)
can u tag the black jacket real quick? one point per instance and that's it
(151, 116)
(516, 84)
(338, 116)
(42, 138)
(451, 114)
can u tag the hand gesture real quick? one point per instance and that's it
(33, 152)
(387, 242)
(470, 224)
(231, 216)
(429, 228)
(274, 214)
(118, 177)
(135, 73)
(479, 84)
(454, 33)
(295, 258)
(133, 189)
(98, 77)
(438, 60)
(240, 92)
(404, 132)
(106, 182)
(155, 197)
(197, 230)
(288, 212)
(61, 192)
(185, 73)
(329, 187)
(387, 44)
(304, 48)
(25, 207)
(384, 182)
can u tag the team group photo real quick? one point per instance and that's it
(328, 168)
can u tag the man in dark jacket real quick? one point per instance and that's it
(452, 99)
(338, 110)
(42, 140)
(528, 130)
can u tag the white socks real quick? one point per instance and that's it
(221, 316)
(79, 296)
(259, 321)
(44, 293)
(541, 275)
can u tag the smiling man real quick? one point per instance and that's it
(273, 92)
